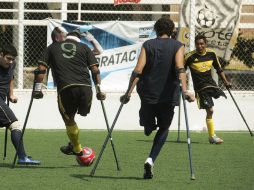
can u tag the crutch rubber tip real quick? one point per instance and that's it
(193, 177)
(91, 174)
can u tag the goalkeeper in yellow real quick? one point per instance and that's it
(200, 62)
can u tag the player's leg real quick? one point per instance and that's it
(15, 129)
(209, 121)
(158, 143)
(164, 113)
(213, 138)
(147, 118)
(206, 102)
(8, 118)
(73, 134)
(68, 106)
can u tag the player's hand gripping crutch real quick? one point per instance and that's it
(251, 134)
(98, 90)
(188, 132)
(36, 72)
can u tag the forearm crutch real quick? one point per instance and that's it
(179, 117)
(36, 72)
(6, 135)
(106, 140)
(129, 90)
(229, 91)
(188, 133)
(107, 124)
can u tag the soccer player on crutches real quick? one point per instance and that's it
(159, 68)
(7, 117)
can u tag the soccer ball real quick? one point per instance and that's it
(206, 18)
(87, 158)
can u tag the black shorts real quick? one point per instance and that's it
(205, 97)
(7, 117)
(160, 114)
(75, 99)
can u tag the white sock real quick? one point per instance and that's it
(149, 160)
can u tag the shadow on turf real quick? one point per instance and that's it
(171, 141)
(84, 176)
(9, 165)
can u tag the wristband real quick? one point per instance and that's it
(97, 88)
(38, 86)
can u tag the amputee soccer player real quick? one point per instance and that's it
(58, 34)
(157, 73)
(8, 119)
(200, 62)
(70, 62)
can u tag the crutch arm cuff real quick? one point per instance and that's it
(37, 71)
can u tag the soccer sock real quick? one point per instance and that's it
(158, 142)
(73, 134)
(15, 137)
(210, 127)
(149, 160)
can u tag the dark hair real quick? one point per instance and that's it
(200, 37)
(9, 50)
(164, 26)
(56, 32)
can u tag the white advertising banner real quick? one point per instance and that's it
(120, 42)
(218, 20)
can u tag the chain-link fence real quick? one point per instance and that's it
(240, 68)
(30, 17)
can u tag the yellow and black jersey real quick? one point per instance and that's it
(200, 67)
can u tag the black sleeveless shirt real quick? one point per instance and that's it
(159, 82)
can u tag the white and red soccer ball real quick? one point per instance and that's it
(87, 158)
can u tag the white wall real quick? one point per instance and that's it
(44, 113)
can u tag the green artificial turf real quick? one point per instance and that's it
(228, 166)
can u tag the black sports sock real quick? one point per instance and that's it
(15, 136)
(158, 142)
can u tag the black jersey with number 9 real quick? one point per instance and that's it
(70, 61)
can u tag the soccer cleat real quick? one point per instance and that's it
(28, 161)
(215, 140)
(148, 171)
(68, 150)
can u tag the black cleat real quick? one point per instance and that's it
(68, 150)
(148, 173)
